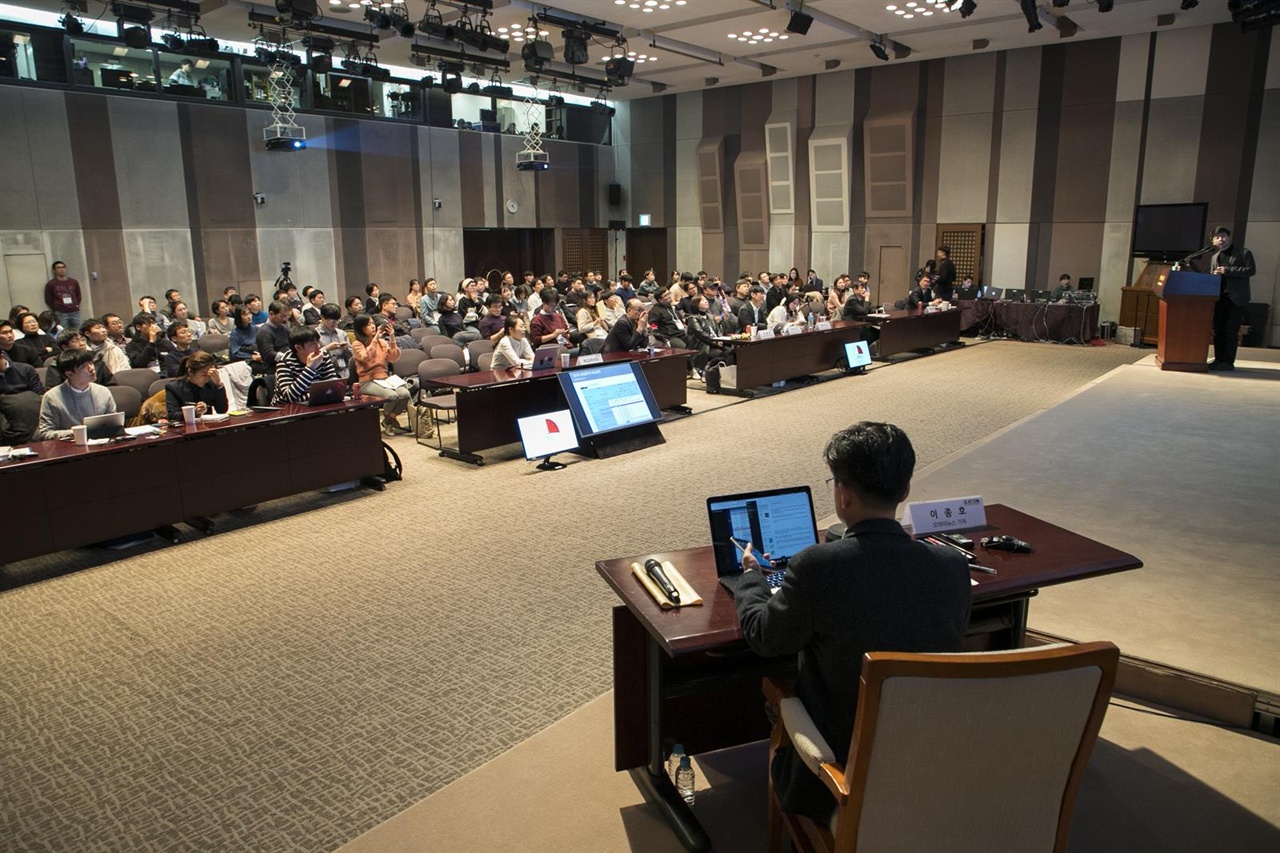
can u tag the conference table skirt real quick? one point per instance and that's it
(1062, 323)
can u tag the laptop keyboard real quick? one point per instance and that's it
(774, 580)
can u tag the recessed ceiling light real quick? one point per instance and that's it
(925, 14)
(908, 15)
(890, 8)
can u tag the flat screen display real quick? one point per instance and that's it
(857, 353)
(609, 397)
(778, 522)
(1169, 230)
(544, 435)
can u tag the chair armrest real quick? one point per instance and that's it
(777, 689)
(812, 747)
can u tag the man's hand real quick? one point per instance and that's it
(750, 562)
(314, 358)
(1219, 270)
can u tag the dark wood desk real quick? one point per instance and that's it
(1059, 322)
(490, 402)
(687, 675)
(788, 356)
(907, 331)
(112, 490)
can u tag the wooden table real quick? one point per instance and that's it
(490, 402)
(69, 496)
(763, 362)
(686, 674)
(1059, 322)
(911, 331)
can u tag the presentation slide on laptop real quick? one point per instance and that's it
(779, 525)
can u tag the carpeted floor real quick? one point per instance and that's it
(325, 662)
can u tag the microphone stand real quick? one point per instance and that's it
(1178, 264)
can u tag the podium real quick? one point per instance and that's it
(1186, 320)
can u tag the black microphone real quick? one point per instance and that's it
(1208, 248)
(654, 570)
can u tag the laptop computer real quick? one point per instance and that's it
(1015, 295)
(1039, 295)
(327, 391)
(546, 356)
(777, 522)
(990, 292)
(104, 426)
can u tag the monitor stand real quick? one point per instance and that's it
(547, 465)
(621, 441)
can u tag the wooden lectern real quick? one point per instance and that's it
(1186, 320)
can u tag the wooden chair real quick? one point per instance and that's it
(956, 752)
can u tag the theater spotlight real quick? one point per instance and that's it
(575, 46)
(1106, 5)
(799, 23)
(618, 71)
(536, 54)
(173, 41)
(964, 7)
(878, 49)
(71, 24)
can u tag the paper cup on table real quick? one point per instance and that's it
(189, 415)
(80, 434)
(564, 359)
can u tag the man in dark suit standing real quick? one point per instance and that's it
(874, 590)
(1235, 265)
(945, 282)
(754, 313)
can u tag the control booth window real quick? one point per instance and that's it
(196, 76)
(34, 55)
(396, 100)
(111, 65)
(344, 93)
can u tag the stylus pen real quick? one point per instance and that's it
(974, 567)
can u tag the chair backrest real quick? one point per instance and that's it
(450, 351)
(432, 339)
(404, 313)
(475, 349)
(137, 378)
(214, 342)
(484, 362)
(407, 364)
(1024, 721)
(591, 346)
(419, 333)
(128, 399)
(434, 368)
(157, 386)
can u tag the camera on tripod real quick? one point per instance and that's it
(286, 268)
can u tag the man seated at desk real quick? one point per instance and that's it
(922, 294)
(549, 326)
(1063, 290)
(753, 314)
(874, 590)
(631, 331)
(20, 390)
(967, 289)
(181, 75)
(670, 328)
(302, 365)
(77, 398)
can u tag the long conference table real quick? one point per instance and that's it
(69, 496)
(1029, 321)
(489, 402)
(687, 675)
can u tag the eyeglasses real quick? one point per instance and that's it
(831, 480)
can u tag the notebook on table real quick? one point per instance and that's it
(777, 522)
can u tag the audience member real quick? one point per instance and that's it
(670, 329)
(199, 384)
(837, 295)
(375, 349)
(588, 318)
(613, 309)
(754, 313)
(311, 313)
(20, 390)
(512, 349)
(355, 307)
(256, 309)
(333, 341)
(178, 311)
(75, 399)
(777, 292)
(301, 364)
(921, 295)
(874, 590)
(36, 340)
(244, 336)
(141, 351)
(549, 325)
(414, 295)
(273, 338)
(95, 335)
(703, 331)
(428, 302)
(180, 338)
(62, 295)
(1063, 290)
(967, 289)
(116, 330)
(631, 332)
(491, 324)
(14, 353)
(69, 339)
(220, 320)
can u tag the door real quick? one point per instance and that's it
(26, 275)
(647, 247)
(487, 252)
(891, 281)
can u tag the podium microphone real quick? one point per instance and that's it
(654, 569)
(1178, 264)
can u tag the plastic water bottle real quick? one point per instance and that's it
(684, 780)
(673, 761)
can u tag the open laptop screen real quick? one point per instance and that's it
(778, 522)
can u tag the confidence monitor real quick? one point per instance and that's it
(613, 407)
(543, 436)
(857, 354)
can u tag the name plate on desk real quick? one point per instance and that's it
(596, 358)
(822, 326)
(945, 515)
(793, 330)
(764, 334)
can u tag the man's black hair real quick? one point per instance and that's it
(65, 337)
(71, 360)
(330, 311)
(384, 298)
(142, 318)
(755, 288)
(303, 335)
(494, 299)
(171, 331)
(90, 323)
(280, 308)
(1222, 229)
(876, 460)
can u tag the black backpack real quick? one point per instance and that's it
(392, 470)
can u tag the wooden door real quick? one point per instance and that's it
(647, 247)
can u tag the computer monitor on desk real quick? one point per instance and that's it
(1015, 295)
(609, 397)
(543, 436)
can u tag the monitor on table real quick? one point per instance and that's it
(608, 397)
(543, 436)
(857, 354)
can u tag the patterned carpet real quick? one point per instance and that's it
(322, 663)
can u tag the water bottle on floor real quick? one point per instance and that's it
(684, 780)
(673, 761)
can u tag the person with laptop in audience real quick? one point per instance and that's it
(199, 384)
(631, 332)
(96, 339)
(375, 350)
(77, 398)
(180, 346)
(876, 589)
(20, 390)
(1063, 290)
(512, 349)
(301, 365)
(273, 337)
(142, 351)
(71, 339)
(967, 289)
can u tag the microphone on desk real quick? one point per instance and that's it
(654, 570)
